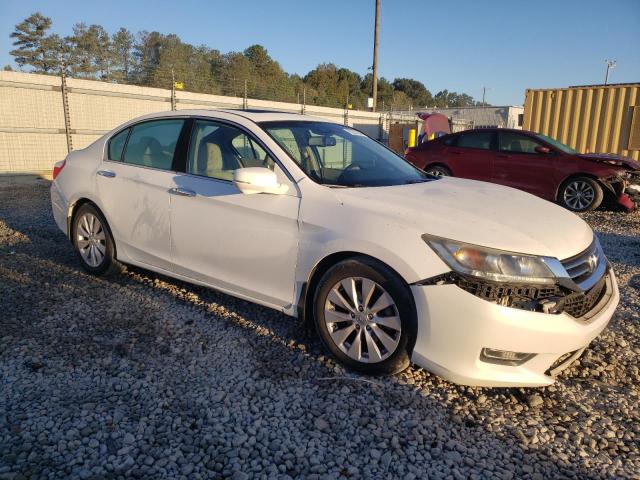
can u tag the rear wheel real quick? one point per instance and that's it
(437, 171)
(93, 241)
(580, 194)
(365, 316)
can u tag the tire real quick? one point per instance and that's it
(93, 242)
(366, 340)
(580, 194)
(437, 171)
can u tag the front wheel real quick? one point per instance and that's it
(365, 316)
(580, 194)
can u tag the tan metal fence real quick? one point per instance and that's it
(42, 118)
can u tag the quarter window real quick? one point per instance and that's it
(481, 140)
(517, 143)
(152, 144)
(116, 145)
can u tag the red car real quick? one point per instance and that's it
(534, 163)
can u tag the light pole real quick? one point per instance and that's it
(375, 56)
(611, 64)
(484, 92)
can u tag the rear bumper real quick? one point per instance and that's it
(454, 326)
(59, 208)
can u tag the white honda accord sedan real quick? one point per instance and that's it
(478, 283)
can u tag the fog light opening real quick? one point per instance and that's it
(504, 357)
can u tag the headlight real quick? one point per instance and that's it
(491, 264)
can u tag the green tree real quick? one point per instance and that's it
(91, 54)
(35, 48)
(385, 91)
(417, 93)
(267, 79)
(122, 43)
(146, 52)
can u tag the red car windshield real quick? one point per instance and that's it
(559, 145)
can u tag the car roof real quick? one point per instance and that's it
(250, 114)
(496, 129)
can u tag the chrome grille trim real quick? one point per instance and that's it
(587, 267)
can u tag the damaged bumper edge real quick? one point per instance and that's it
(626, 190)
(456, 326)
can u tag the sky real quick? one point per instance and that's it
(507, 46)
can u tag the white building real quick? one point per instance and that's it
(464, 118)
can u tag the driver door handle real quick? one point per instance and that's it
(106, 173)
(183, 192)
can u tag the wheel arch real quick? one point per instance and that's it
(73, 210)
(578, 175)
(305, 302)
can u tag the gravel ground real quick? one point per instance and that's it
(142, 376)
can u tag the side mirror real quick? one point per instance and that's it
(543, 150)
(258, 180)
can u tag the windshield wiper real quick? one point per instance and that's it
(418, 180)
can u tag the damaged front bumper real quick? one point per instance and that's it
(625, 189)
(462, 320)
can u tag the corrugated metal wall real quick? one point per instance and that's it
(32, 126)
(589, 119)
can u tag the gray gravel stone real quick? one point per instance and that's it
(140, 376)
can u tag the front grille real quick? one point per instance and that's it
(493, 291)
(581, 266)
(579, 304)
(552, 299)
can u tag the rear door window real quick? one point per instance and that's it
(479, 140)
(152, 144)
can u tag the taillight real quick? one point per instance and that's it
(57, 168)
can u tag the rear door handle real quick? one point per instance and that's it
(106, 173)
(183, 192)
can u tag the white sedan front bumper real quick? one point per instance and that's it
(454, 326)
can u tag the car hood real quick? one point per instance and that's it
(611, 159)
(475, 212)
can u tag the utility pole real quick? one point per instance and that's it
(484, 92)
(173, 90)
(611, 64)
(375, 55)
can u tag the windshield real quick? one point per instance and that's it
(335, 155)
(559, 145)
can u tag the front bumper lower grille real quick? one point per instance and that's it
(553, 299)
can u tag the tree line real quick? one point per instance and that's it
(156, 60)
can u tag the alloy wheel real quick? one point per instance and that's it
(362, 320)
(436, 173)
(91, 240)
(579, 195)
